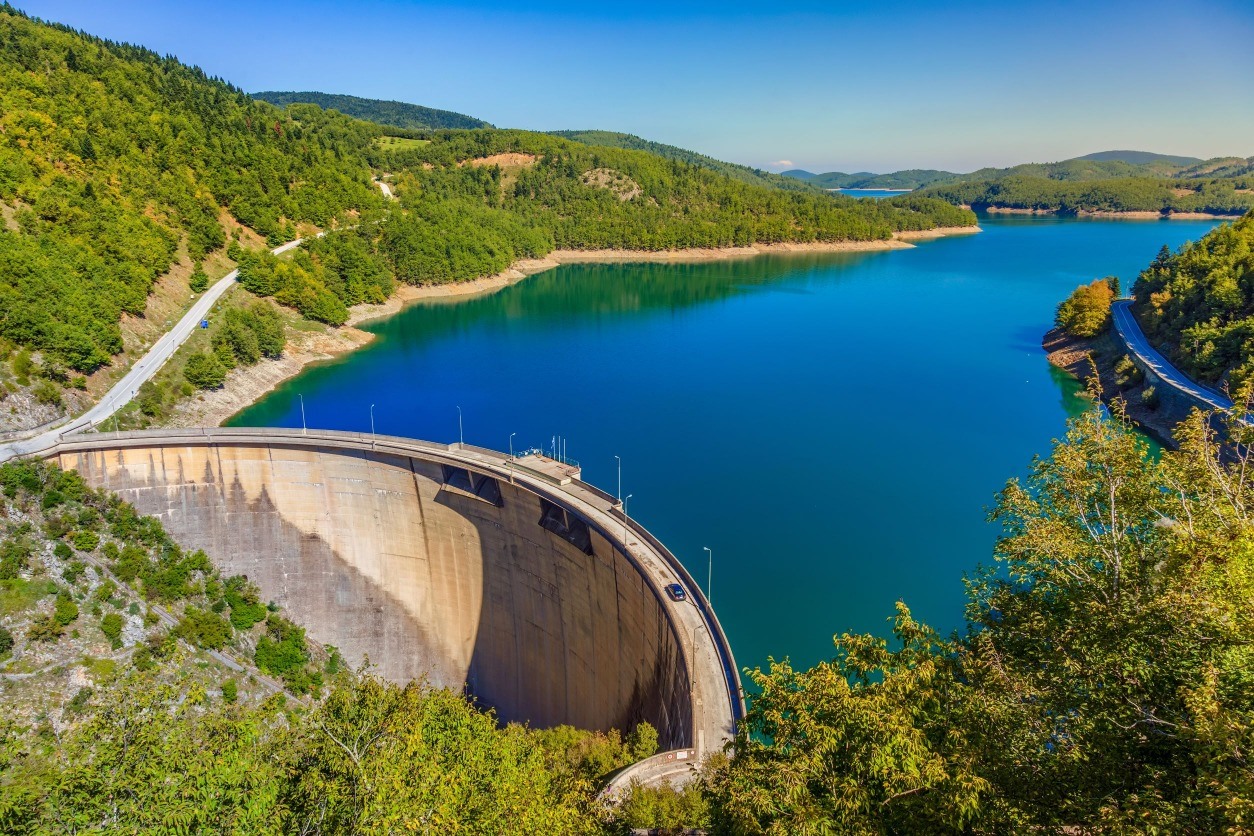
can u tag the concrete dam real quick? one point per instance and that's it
(506, 577)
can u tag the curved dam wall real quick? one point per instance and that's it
(427, 566)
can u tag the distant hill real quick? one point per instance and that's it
(393, 114)
(914, 178)
(1139, 158)
(743, 173)
(1099, 166)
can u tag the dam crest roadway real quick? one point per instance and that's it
(508, 577)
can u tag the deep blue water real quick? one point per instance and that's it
(833, 427)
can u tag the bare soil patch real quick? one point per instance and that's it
(510, 159)
(623, 187)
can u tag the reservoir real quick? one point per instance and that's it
(833, 427)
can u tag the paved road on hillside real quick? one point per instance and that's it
(143, 370)
(1130, 330)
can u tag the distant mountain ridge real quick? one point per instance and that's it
(381, 112)
(1100, 165)
(1139, 158)
(908, 179)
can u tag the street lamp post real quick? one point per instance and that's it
(461, 434)
(303, 428)
(372, 422)
(625, 498)
(620, 478)
(709, 581)
(511, 457)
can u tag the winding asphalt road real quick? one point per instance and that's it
(143, 370)
(1130, 330)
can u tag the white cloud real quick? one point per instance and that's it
(781, 163)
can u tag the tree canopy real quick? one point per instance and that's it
(1198, 304)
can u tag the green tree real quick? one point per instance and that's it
(204, 371)
(199, 280)
(381, 758)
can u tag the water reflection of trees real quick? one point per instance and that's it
(590, 290)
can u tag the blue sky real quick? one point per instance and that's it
(826, 86)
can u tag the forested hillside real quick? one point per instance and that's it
(913, 178)
(393, 114)
(1198, 304)
(114, 160)
(743, 173)
(112, 157)
(1226, 196)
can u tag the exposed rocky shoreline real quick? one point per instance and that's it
(1081, 357)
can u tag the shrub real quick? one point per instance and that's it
(199, 280)
(246, 608)
(111, 625)
(65, 611)
(105, 591)
(230, 691)
(204, 371)
(79, 702)
(1149, 397)
(47, 393)
(86, 541)
(1127, 372)
(6, 641)
(62, 550)
(282, 652)
(44, 628)
(15, 554)
(203, 629)
(74, 571)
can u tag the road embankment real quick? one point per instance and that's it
(1083, 358)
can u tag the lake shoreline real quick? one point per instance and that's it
(1081, 356)
(1131, 214)
(406, 295)
(244, 387)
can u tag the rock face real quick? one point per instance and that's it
(428, 571)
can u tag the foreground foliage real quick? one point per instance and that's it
(1104, 681)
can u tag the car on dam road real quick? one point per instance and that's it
(676, 592)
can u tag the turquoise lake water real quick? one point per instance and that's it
(833, 426)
